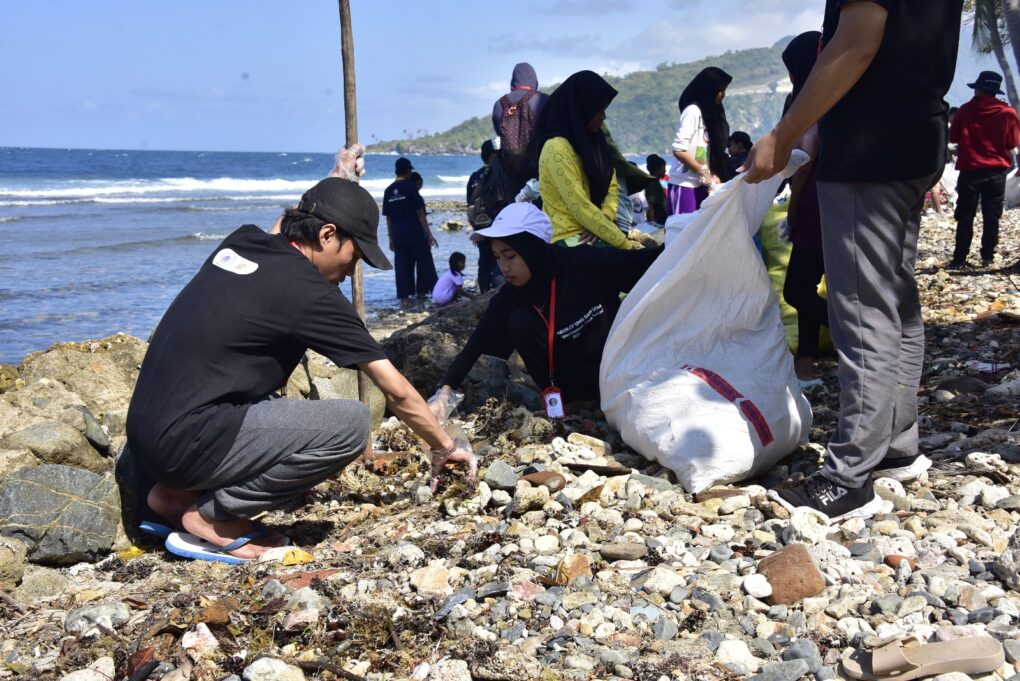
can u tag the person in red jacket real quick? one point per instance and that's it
(986, 130)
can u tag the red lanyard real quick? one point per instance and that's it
(550, 324)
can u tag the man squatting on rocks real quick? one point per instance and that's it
(203, 421)
(877, 93)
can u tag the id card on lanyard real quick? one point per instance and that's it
(552, 398)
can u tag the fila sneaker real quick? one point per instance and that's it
(835, 501)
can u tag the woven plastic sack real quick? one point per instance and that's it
(696, 373)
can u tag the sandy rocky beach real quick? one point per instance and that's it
(573, 558)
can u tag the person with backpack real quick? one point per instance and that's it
(514, 118)
(480, 218)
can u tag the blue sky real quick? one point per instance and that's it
(264, 75)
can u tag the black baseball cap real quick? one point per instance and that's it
(403, 166)
(347, 205)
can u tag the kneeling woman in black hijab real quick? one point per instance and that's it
(556, 309)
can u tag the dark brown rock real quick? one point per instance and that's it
(893, 560)
(793, 574)
(554, 482)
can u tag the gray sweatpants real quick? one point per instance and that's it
(284, 448)
(869, 236)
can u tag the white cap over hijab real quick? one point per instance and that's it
(517, 218)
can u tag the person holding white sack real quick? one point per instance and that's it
(878, 93)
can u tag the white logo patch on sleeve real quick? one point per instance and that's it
(230, 261)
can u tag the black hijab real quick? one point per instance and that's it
(800, 57)
(567, 113)
(538, 257)
(703, 91)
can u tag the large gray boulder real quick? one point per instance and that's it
(49, 400)
(57, 443)
(102, 372)
(64, 515)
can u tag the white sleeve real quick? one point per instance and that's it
(688, 128)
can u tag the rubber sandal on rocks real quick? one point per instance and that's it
(154, 528)
(187, 545)
(911, 658)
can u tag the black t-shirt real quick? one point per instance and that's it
(892, 125)
(232, 337)
(589, 281)
(401, 202)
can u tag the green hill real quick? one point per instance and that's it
(643, 117)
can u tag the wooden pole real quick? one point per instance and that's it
(351, 134)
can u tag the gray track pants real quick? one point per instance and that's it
(869, 234)
(284, 447)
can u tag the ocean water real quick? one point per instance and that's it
(101, 241)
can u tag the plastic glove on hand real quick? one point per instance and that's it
(461, 454)
(444, 403)
(350, 163)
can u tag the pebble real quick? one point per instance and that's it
(100, 670)
(1012, 650)
(665, 629)
(547, 545)
(661, 581)
(450, 670)
(307, 598)
(432, 581)
(808, 525)
(273, 589)
(108, 615)
(621, 551)
(271, 669)
(782, 671)
(807, 650)
(757, 586)
(500, 476)
(732, 651)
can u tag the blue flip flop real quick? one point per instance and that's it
(187, 545)
(155, 529)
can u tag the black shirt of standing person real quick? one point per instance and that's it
(401, 203)
(892, 126)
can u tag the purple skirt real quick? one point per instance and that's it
(684, 199)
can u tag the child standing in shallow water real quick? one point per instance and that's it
(450, 286)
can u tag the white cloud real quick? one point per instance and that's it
(699, 30)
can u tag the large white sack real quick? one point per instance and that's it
(696, 373)
(1012, 196)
